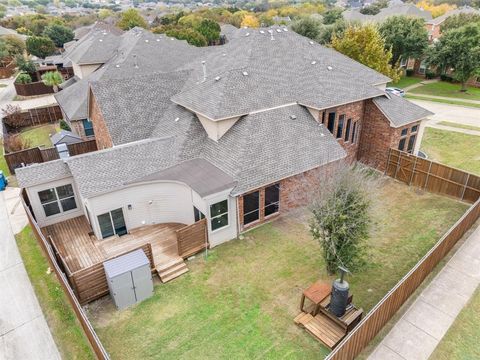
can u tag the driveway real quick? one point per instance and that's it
(24, 333)
(453, 113)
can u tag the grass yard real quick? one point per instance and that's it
(240, 303)
(460, 126)
(3, 163)
(447, 89)
(461, 340)
(61, 319)
(406, 81)
(453, 148)
(40, 135)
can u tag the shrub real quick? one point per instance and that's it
(25, 65)
(64, 125)
(12, 116)
(410, 72)
(23, 78)
(429, 74)
(445, 77)
(15, 142)
(341, 217)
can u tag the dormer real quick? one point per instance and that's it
(217, 128)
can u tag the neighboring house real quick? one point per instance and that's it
(65, 137)
(434, 25)
(394, 9)
(228, 133)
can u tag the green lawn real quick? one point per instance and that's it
(61, 319)
(461, 340)
(460, 126)
(453, 148)
(40, 135)
(448, 89)
(3, 163)
(240, 303)
(443, 101)
(406, 81)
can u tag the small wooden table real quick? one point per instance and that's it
(316, 293)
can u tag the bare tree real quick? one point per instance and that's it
(12, 116)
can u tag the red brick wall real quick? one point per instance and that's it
(377, 137)
(295, 191)
(352, 111)
(102, 136)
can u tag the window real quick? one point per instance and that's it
(219, 215)
(331, 121)
(403, 62)
(112, 223)
(57, 200)
(414, 128)
(423, 67)
(198, 214)
(411, 143)
(88, 127)
(347, 130)
(354, 130)
(401, 144)
(251, 207)
(404, 132)
(341, 121)
(272, 199)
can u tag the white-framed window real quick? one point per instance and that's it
(57, 200)
(403, 62)
(219, 215)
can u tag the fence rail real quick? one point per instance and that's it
(33, 89)
(369, 327)
(193, 238)
(33, 117)
(39, 155)
(90, 333)
(432, 176)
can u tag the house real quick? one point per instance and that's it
(394, 9)
(434, 25)
(227, 133)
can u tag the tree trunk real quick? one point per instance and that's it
(464, 87)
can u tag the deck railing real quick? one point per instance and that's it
(90, 333)
(192, 238)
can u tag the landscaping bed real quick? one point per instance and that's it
(453, 149)
(241, 301)
(66, 330)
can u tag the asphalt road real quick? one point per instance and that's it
(452, 113)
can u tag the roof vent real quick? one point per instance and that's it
(135, 63)
(329, 68)
(245, 73)
(100, 40)
(176, 119)
(217, 78)
(146, 40)
(293, 117)
(271, 34)
(313, 62)
(279, 31)
(158, 39)
(262, 32)
(310, 42)
(224, 54)
(117, 66)
(247, 34)
(285, 29)
(172, 38)
(204, 66)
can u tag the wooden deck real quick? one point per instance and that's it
(81, 250)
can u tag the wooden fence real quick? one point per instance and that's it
(20, 158)
(33, 117)
(91, 283)
(33, 89)
(369, 327)
(192, 239)
(90, 333)
(432, 176)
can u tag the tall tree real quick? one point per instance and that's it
(365, 45)
(209, 29)
(332, 15)
(59, 34)
(459, 20)
(458, 49)
(405, 36)
(308, 27)
(40, 46)
(130, 19)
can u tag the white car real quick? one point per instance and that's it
(395, 91)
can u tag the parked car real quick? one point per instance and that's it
(395, 91)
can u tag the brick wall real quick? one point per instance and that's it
(102, 136)
(295, 191)
(77, 128)
(377, 137)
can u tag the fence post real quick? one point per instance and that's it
(428, 174)
(465, 187)
(388, 160)
(398, 164)
(413, 171)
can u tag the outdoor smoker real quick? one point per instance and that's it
(339, 297)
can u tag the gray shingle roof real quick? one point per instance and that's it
(385, 13)
(94, 48)
(463, 10)
(106, 170)
(65, 136)
(399, 110)
(203, 177)
(265, 74)
(42, 173)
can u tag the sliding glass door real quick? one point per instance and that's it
(112, 223)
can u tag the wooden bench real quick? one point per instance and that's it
(322, 328)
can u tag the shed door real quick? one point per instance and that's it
(142, 278)
(123, 291)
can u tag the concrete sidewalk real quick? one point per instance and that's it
(466, 101)
(24, 333)
(418, 332)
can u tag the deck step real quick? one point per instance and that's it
(172, 270)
